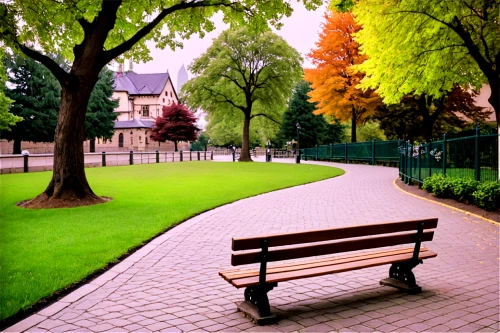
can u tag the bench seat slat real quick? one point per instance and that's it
(232, 274)
(334, 268)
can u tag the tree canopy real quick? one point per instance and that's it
(428, 47)
(175, 124)
(334, 82)
(245, 74)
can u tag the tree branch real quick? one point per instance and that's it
(266, 116)
(128, 44)
(226, 100)
(60, 74)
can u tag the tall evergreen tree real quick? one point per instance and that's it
(314, 128)
(36, 94)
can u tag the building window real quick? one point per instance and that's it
(166, 93)
(120, 140)
(171, 94)
(163, 100)
(147, 142)
(131, 140)
(145, 110)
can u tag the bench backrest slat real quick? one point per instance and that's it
(330, 248)
(330, 234)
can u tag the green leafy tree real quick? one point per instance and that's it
(244, 75)
(368, 131)
(91, 33)
(201, 143)
(99, 122)
(36, 94)
(7, 119)
(428, 47)
(314, 128)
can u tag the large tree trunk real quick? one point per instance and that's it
(245, 146)
(353, 125)
(175, 145)
(69, 186)
(17, 147)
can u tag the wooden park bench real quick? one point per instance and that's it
(258, 282)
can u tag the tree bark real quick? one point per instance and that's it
(353, 125)
(245, 146)
(494, 99)
(17, 147)
(69, 186)
(92, 145)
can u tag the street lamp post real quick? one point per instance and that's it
(297, 156)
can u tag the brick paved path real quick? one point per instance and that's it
(172, 283)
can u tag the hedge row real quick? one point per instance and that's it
(484, 194)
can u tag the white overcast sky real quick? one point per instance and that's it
(300, 31)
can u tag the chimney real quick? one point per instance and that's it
(130, 66)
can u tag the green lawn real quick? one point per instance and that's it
(42, 251)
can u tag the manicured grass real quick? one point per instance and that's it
(42, 251)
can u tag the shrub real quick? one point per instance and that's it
(430, 182)
(487, 195)
(463, 188)
(443, 187)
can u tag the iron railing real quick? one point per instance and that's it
(42, 162)
(474, 157)
(372, 152)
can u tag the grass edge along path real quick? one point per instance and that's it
(43, 251)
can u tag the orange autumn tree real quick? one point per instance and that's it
(334, 81)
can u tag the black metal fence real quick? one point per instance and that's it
(372, 152)
(473, 157)
(42, 162)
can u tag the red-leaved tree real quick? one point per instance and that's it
(176, 124)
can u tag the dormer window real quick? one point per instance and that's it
(145, 110)
(171, 94)
(166, 93)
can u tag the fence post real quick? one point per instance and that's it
(190, 155)
(316, 152)
(444, 154)
(373, 152)
(477, 168)
(234, 153)
(419, 164)
(198, 155)
(180, 155)
(205, 155)
(157, 156)
(103, 158)
(400, 165)
(345, 151)
(411, 163)
(331, 151)
(212, 155)
(429, 157)
(131, 159)
(25, 163)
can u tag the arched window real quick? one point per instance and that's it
(120, 140)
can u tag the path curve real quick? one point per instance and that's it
(172, 284)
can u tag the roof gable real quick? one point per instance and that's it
(141, 84)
